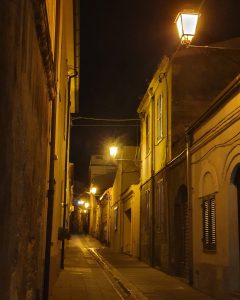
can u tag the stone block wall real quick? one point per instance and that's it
(24, 130)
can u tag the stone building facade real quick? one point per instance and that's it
(180, 90)
(215, 169)
(33, 105)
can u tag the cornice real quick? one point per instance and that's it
(43, 36)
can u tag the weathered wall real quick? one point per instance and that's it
(215, 159)
(24, 131)
(199, 75)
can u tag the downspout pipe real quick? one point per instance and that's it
(189, 202)
(153, 184)
(70, 77)
(50, 203)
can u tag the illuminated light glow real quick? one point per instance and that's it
(93, 190)
(186, 25)
(86, 205)
(113, 151)
(80, 202)
(85, 211)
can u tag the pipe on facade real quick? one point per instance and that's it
(189, 202)
(50, 204)
(152, 184)
(66, 165)
(43, 36)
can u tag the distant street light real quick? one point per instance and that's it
(186, 24)
(93, 190)
(113, 151)
(86, 205)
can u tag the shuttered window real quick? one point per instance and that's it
(147, 198)
(147, 134)
(159, 118)
(209, 222)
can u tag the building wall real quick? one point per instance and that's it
(198, 76)
(126, 175)
(191, 80)
(25, 127)
(29, 51)
(131, 220)
(215, 157)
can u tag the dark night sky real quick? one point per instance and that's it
(122, 43)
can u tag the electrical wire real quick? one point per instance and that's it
(104, 119)
(104, 125)
(227, 143)
(201, 5)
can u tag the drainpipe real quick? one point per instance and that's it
(50, 203)
(66, 166)
(152, 183)
(51, 180)
(189, 203)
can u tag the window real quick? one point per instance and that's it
(147, 134)
(160, 206)
(159, 118)
(115, 218)
(209, 222)
(147, 202)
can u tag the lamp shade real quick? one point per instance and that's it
(186, 25)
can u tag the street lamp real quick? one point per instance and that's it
(113, 150)
(93, 190)
(186, 22)
(86, 205)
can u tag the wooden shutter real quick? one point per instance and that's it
(209, 222)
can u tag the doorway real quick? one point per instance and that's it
(237, 184)
(127, 234)
(180, 231)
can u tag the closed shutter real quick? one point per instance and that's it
(209, 222)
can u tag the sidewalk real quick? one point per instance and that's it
(149, 283)
(83, 278)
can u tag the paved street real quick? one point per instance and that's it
(95, 272)
(82, 277)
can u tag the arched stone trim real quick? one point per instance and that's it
(233, 159)
(208, 168)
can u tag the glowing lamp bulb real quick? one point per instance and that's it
(93, 190)
(186, 25)
(113, 151)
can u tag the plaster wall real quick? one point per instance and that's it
(215, 155)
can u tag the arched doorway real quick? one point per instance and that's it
(236, 181)
(180, 232)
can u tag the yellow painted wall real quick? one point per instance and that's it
(215, 154)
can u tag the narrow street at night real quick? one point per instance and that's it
(92, 271)
(120, 150)
(83, 278)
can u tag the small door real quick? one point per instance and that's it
(180, 219)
